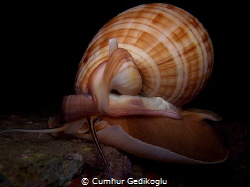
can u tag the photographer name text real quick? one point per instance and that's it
(97, 181)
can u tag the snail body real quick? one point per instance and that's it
(138, 71)
(189, 140)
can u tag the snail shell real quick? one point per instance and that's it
(170, 47)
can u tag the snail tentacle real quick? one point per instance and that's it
(98, 145)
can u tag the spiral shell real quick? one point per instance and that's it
(170, 47)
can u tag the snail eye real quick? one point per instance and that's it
(96, 120)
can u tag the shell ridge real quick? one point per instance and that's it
(197, 37)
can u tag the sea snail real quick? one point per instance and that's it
(136, 74)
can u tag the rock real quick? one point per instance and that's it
(29, 159)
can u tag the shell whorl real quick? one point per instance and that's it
(171, 49)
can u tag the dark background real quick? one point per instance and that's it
(42, 44)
